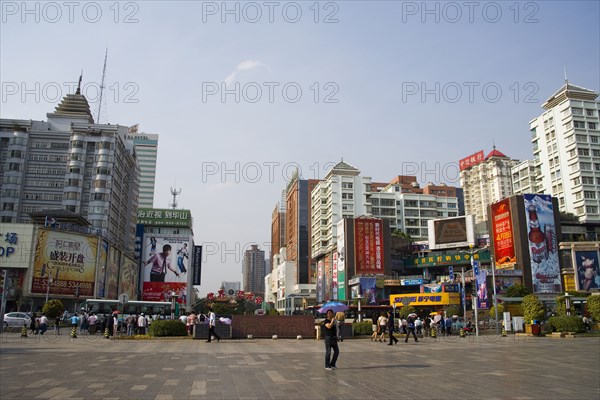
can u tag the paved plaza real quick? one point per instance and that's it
(489, 367)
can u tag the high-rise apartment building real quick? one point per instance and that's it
(253, 270)
(523, 177)
(278, 228)
(70, 163)
(146, 150)
(485, 180)
(566, 151)
(343, 193)
(407, 207)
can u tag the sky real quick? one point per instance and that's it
(243, 93)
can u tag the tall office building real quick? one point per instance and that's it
(70, 163)
(253, 270)
(523, 177)
(146, 149)
(278, 226)
(485, 180)
(566, 151)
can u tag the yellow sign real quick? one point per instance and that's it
(426, 299)
(64, 264)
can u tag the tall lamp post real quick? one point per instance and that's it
(359, 297)
(493, 264)
(471, 253)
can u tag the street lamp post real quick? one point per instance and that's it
(493, 264)
(464, 295)
(474, 298)
(568, 304)
(359, 297)
(48, 283)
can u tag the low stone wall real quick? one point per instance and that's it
(265, 326)
(201, 331)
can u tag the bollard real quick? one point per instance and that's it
(503, 332)
(433, 333)
(299, 337)
(24, 331)
(462, 332)
(249, 336)
(106, 334)
(74, 332)
(274, 337)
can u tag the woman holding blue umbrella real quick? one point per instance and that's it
(331, 341)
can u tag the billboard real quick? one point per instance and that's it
(368, 246)
(368, 289)
(69, 259)
(482, 297)
(164, 217)
(112, 273)
(541, 239)
(341, 261)
(587, 270)
(128, 277)
(502, 235)
(451, 232)
(197, 266)
(165, 264)
(425, 299)
(471, 160)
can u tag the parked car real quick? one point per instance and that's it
(16, 319)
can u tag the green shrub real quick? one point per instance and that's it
(593, 307)
(565, 323)
(454, 310)
(404, 311)
(167, 327)
(500, 311)
(53, 308)
(532, 308)
(362, 328)
(517, 291)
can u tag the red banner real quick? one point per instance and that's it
(504, 246)
(368, 239)
(473, 159)
(161, 291)
(62, 287)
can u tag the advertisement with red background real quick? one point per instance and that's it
(502, 235)
(368, 239)
(473, 159)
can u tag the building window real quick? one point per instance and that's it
(578, 196)
(591, 125)
(577, 111)
(589, 112)
(587, 180)
(585, 166)
(583, 152)
(581, 138)
(593, 139)
(591, 209)
(588, 194)
(596, 153)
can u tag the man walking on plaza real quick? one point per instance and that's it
(410, 328)
(142, 323)
(330, 335)
(391, 328)
(212, 322)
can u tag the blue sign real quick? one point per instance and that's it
(476, 268)
(451, 271)
(410, 282)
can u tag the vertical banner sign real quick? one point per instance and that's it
(341, 260)
(102, 260)
(320, 272)
(69, 258)
(128, 279)
(482, 297)
(334, 277)
(543, 249)
(502, 235)
(112, 273)
(368, 246)
(197, 277)
(139, 241)
(587, 270)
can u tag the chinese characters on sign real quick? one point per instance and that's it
(163, 217)
(470, 161)
(504, 248)
(369, 246)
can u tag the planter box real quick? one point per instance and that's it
(201, 331)
(557, 335)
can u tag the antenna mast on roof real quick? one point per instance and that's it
(175, 193)
(102, 87)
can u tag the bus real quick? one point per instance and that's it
(102, 306)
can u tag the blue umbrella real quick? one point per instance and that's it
(334, 306)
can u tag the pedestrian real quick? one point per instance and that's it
(426, 326)
(212, 322)
(448, 326)
(74, 321)
(419, 326)
(391, 326)
(130, 324)
(142, 323)
(340, 317)
(330, 335)
(410, 327)
(57, 325)
(84, 323)
(115, 322)
(92, 321)
(191, 321)
(32, 324)
(43, 323)
(382, 322)
(375, 327)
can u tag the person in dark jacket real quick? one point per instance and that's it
(391, 328)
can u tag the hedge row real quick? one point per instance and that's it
(565, 323)
(165, 327)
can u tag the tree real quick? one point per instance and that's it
(517, 291)
(53, 308)
(593, 307)
(404, 311)
(221, 309)
(453, 310)
(500, 311)
(567, 216)
(532, 308)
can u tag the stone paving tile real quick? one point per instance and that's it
(489, 368)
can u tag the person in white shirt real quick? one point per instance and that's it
(142, 323)
(43, 323)
(212, 322)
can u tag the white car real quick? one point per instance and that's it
(16, 319)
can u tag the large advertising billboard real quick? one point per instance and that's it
(451, 232)
(341, 261)
(128, 277)
(587, 270)
(165, 265)
(368, 244)
(69, 259)
(542, 242)
(112, 273)
(482, 295)
(502, 235)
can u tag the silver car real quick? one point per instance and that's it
(16, 319)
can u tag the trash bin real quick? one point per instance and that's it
(536, 329)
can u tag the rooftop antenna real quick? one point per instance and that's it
(78, 91)
(102, 87)
(175, 193)
(566, 80)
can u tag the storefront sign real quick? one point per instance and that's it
(423, 299)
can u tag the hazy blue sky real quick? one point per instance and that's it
(392, 87)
